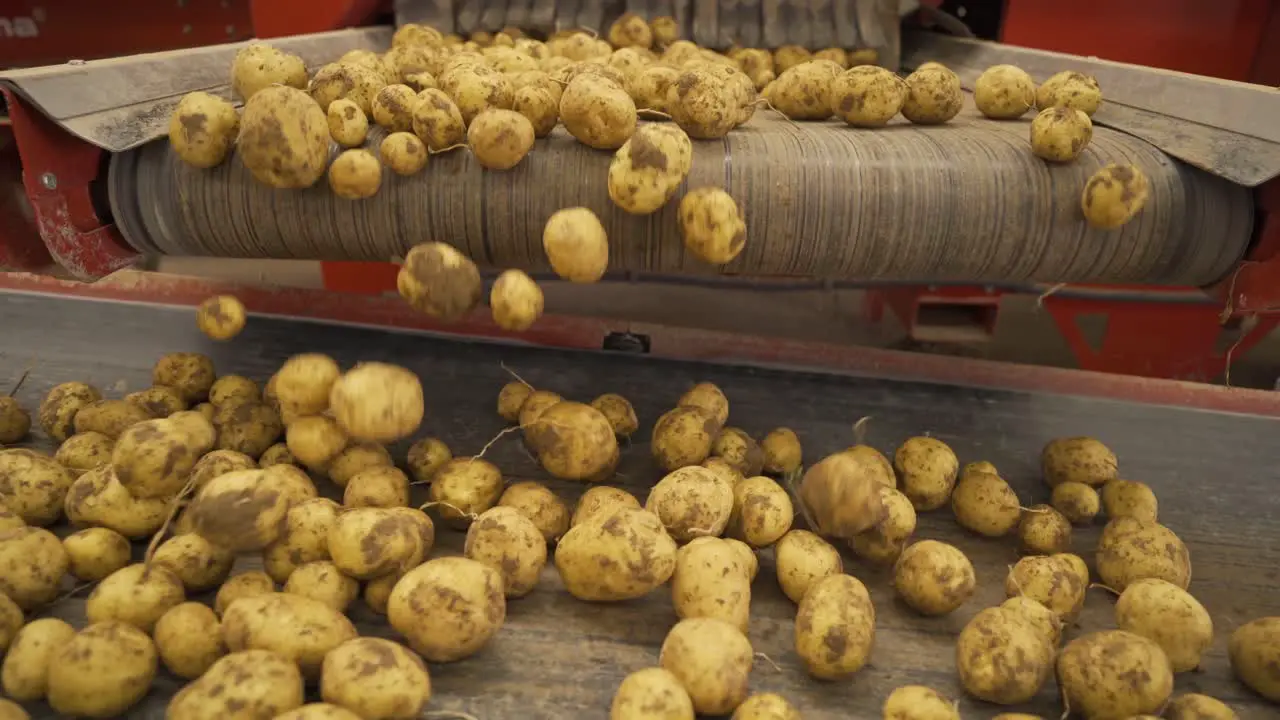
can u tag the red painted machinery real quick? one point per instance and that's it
(94, 196)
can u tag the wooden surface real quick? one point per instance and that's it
(560, 658)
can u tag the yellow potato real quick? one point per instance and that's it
(516, 300)
(33, 486)
(917, 702)
(203, 129)
(249, 428)
(218, 462)
(801, 559)
(11, 620)
(705, 104)
(403, 152)
(10, 710)
(711, 225)
(196, 562)
(426, 457)
(58, 410)
(739, 450)
(599, 498)
(304, 382)
(1077, 459)
(1003, 657)
(438, 280)
(1170, 616)
(368, 542)
(1078, 503)
(708, 398)
(295, 627)
(840, 495)
(1254, 648)
(1193, 706)
(323, 582)
(392, 108)
(782, 451)
(683, 437)
(540, 505)
(1004, 92)
(102, 672)
(539, 107)
(867, 96)
(507, 541)
(437, 120)
(1070, 89)
(616, 553)
(511, 400)
(377, 402)
(413, 34)
(651, 693)
(220, 317)
(109, 417)
(1060, 134)
(355, 174)
(1150, 551)
(284, 138)
(803, 91)
(1129, 498)
(712, 581)
(158, 401)
(249, 584)
(835, 627)
(25, 673)
(933, 578)
(649, 168)
(466, 487)
(985, 504)
(254, 678)
(665, 31)
(1045, 620)
(789, 56)
(712, 660)
(691, 502)
(348, 125)
(1114, 673)
(619, 412)
(576, 245)
(933, 97)
(355, 458)
(350, 81)
(137, 595)
(315, 441)
(1050, 580)
(153, 458)
(573, 441)
(189, 639)
(597, 111)
(304, 538)
(499, 139)
(34, 562)
(375, 678)
(448, 608)
(236, 511)
(883, 543)
(95, 553)
(762, 512)
(476, 88)
(98, 498)
(1113, 195)
(233, 389)
(927, 468)
(650, 89)
(258, 66)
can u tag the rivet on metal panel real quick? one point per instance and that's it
(49, 181)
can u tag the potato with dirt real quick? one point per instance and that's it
(1145, 551)
(1004, 92)
(248, 428)
(683, 437)
(426, 457)
(499, 139)
(540, 505)
(218, 462)
(315, 441)
(601, 498)
(1070, 89)
(235, 511)
(985, 504)
(917, 702)
(573, 441)
(202, 129)
(1114, 195)
(649, 693)
(246, 584)
(835, 627)
(191, 374)
(650, 89)
(11, 620)
(507, 541)
(1254, 650)
(98, 498)
(357, 457)
(801, 559)
(221, 317)
(33, 486)
(109, 417)
(927, 469)
(476, 88)
(1044, 531)
(303, 384)
(933, 578)
(293, 626)
(438, 121)
(25, 673)
(1193, 706)
(615, 554)
(438, 280)
(392, 108)
(1130, 498)
(1114, 674)
(152, 459)
(350, 81)
(377, 402)
(1170, 616)
(515, 300)
(230, 389)
(539, 107)
(304, 538)
(95, 553)
(867, 96)
(576, 245)
(57, 412)
(259, 66)
(375, 678)
(348, 125)
(197, 563)
(1003, 657)
(704, 104)
(33, 562)
(188, 639)
(381, 487)
(1045, 620)
(884, 543)
(448, 608)
(711, 225)
(284, 138)
(464, 488)
(254, 678)
(691, 502)
(1078, 503)
(136, 594)
(802, 91)
(934, 96)
(712, 660)
(103, 671)
(159, 401)
(1060, 134)
(323, 582)
(840, 495)
(619, 412)
(649, 168)
(762, 512)
(355, 174)
(712, 581)
(1050, 580)
(739, 450)
(366, 543)
(597, 112)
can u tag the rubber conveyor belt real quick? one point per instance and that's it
(966, 201)
(556, 657)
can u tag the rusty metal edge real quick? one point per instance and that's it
(1138, 100)
(121, 103)
(674, 343)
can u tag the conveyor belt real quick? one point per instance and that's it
(560, 658)
(965, 202)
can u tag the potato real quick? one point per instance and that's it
(25, 674)
(539, 107)
(324, 582)
(1077, 502)
(33, 486)
(1113, 195)
(98, 498)
(33, 562)
(835, 627)
(437, 120)
(740, 450)
(1254, 649)
(233, 389)
(1170, 616)
(536, 403)
(377, 402)
(196, 562)
(516, 300)
(802, 559)
(499, 139)
(152, 459)
(1046, 621)
(708, 398)
(1044, 531)
(448, 608)
(704, 104)
(248, 584)
(368, 542)
(762, 512)
(927, 468)
(933, 97)
(712, 660)
(917, 702)
(392, 108)
(218, 462)
(649, 168)
(95, 553)
(597, 111)
(541, 506)
(691, 502)
(1152, 551)
(296, 627)
(1129, 498)
(933, 578)
(11, 620)
(782, 451)
(9, 520)
(373, 677)
(377, 591)
(1004, 92)
(883, 543)
(712, 580)
(12, 711)
(723, 470)
(137, 594)
(466, 487)
(438, 280)
(650, 89)
(1114, 674)
(1193, 706)
(348, 125)
(202, 129)
(351, 81)
(258, 66)
(58, 410)
(803, 91)
(1072, 90)
(576, 245)
(221, 317)
(355, 174)
(284, 138)
(357, 457)
(476, 88)
(616, 553)
(188, 638)
(105, 669)
(630, 31)
(236, 511)
(1050, 580)
(260, 679)
(573, 441)
(1060, 134)
(867, 96)
(315, 441)
(248, 428)
(403, 152)
(304, 538)
(840, 495)
(682, 437)
(601, 498)
(619, 412)
(789, 56)
(711, 225)
(985, 504)
(665, 31)
(651, 693)
(159, 401)
(413, 34)
(507, 541)
(1003, 657)
(304, 382)
(109, 417)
